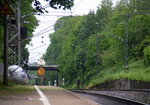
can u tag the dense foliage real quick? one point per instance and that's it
(56, 4)
(86, 46)
(26, 9)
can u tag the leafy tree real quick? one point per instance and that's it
(26, 9)
(56, 4)
(1, 37)
(62, 51)
(95, 42)
(139, 32)
(1, 45)
(147, 55)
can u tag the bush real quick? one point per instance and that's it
(147, 55)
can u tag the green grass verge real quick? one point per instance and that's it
(15, 89)
(137, 71)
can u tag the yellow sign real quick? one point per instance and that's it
(6, 9)
(41, 71)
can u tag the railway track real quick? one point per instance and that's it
(100, 97)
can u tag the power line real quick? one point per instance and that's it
(37, 47)
(34, 56)
(51, 15)
(45, 5)
(41, 36)
(48, 21)
(38, 52)
(42, 33)
(77, 5)
(43, 30)
(58, 11)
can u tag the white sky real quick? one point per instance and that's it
(38, 48)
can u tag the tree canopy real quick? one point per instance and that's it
(89, 45)
(26, 8)
(56, 4)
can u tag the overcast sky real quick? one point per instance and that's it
(41, 40)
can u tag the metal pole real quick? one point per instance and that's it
(5, 76)
(127, 48)
(57, 78)
(41, 79)
(97, 51)
(83, 68)
(126, 44)
(19, 40)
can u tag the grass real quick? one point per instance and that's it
(137, 71)
(15, 89)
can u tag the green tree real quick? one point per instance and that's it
(78, 41)
(56, 4)
(147, 55)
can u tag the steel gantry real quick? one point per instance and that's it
(14, 37)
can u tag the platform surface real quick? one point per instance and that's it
(46, 95)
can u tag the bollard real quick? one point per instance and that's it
(63, 81)
(55, 84)
(49, 83)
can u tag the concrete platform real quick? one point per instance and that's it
(60, 96)
(45, 96)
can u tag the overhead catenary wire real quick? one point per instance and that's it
(40, 32)
(52, 15)
(36, 35)
(45, 28)
(45, 6)
(37, 47)
(76, 5)
(34, 56)
(56, 11)
(46, 31)
(38, 52)
(47, 21)
(41, 35)
(60, 12)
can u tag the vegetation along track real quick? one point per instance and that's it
(126, 97)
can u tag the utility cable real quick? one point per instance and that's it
(45, 6)
(38, 52)
(42, 33)
(59, 12)
(38, 47)
(76, 5)
(34, 56)
(50, 15)
(43, 30)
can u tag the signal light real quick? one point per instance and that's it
(23, 32)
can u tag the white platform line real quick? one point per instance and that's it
(43, 97)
